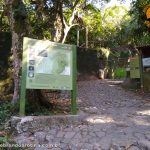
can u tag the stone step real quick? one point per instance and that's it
(32, 123)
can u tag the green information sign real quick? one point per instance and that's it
(135, 67)
(48, 65)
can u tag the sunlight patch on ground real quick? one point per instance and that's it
(144, 112)
(91, 108)
(141, 121)
(79, 100)
(100, 119)
(114, 81)
(111, 85)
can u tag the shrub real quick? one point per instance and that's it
(120, 73)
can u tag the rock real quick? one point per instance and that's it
(97, 147)
(63, 145)
(93, 140)
(147, 135)
(105, 142)
(114, 147)
(49, 137)
(40, 136)
(91, 110)
(52, 131)
(78, 136)
(84, 134)
(100, 134)
(40, 148)
(133, 148)
(92, 134)
(69, 135)
(144, 144)
(87, 146)
(139, 136)
(22, 140)
(60, 134)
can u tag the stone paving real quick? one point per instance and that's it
(114, 119)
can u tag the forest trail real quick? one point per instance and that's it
(116, 119)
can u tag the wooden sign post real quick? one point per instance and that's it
(48, 65)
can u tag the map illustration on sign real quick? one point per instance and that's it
(55, 62)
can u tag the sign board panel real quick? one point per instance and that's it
(49, 65)
(146, 62)
(135, 67)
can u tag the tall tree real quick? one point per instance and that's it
(18, 24)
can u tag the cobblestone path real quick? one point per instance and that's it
(116, 120)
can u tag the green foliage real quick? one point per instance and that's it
(104, 52)
(19, 11)
(4, 25)
(5, 141)
(5, 113)
(6, 88)
(120, 73)
(113, 19)
(130, 28)
(92, 18)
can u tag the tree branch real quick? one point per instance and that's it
(62, 16)
(74, 10)
(75, 4)
(1, 20)
(72, 16)
(76, 24)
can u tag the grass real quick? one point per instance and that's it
(5, 113)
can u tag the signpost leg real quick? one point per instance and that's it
(22, 101)
(23, 95)
(141, 71)
(73, 101)
(74, 83)
(23, 84)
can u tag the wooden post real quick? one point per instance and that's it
(141, 70)
(86, 37)
(23, 84)
(74, 82)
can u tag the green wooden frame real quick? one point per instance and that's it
(74, 82)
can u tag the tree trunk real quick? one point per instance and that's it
(16, 66)
(14, 49)
(18, 26)
(66, 30)
(57, 30)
